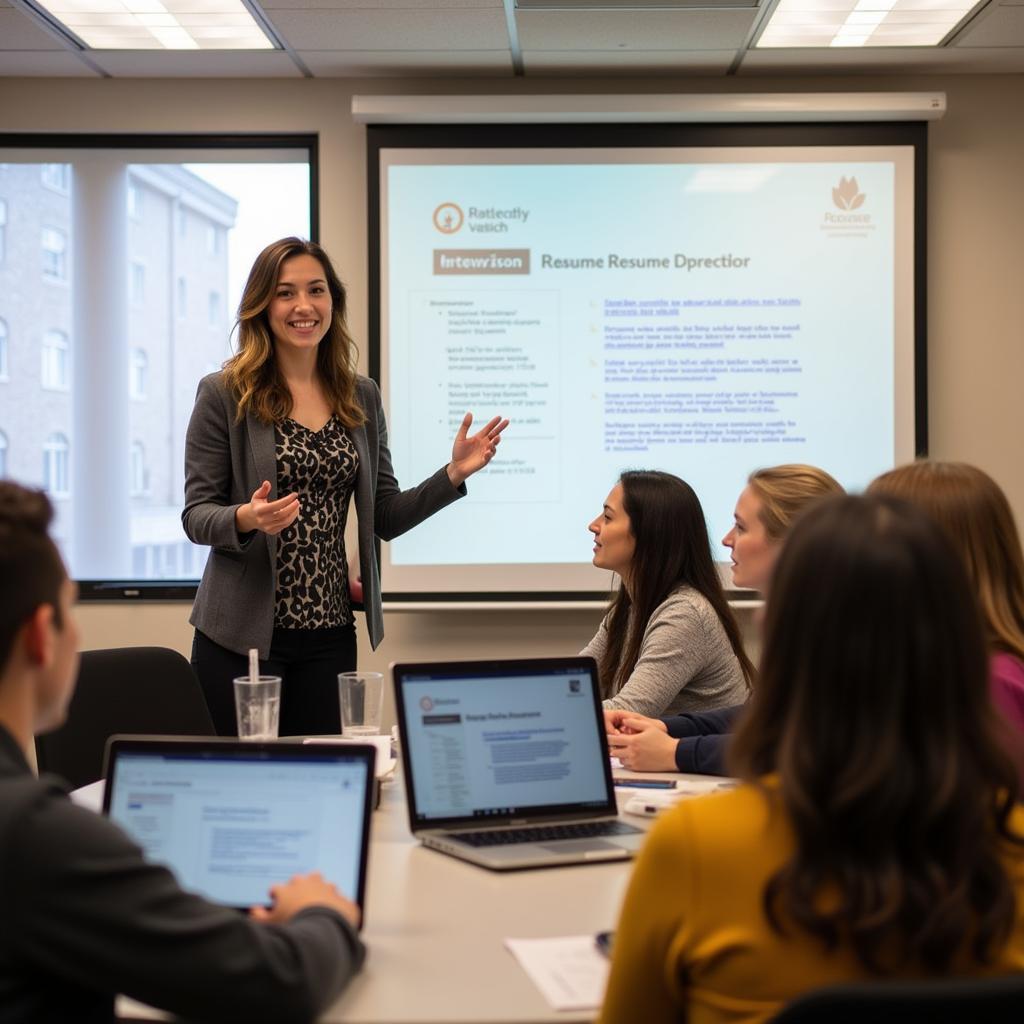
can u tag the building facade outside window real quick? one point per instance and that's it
(5, 367)
(138, 374)
(214, 317)
(138, 284)
(3, 454)
(56, 357)
(3, 230)
(139, 476)
(56, 474)
(57, 177)
(182, 298)
(134, 201)
(55, 254)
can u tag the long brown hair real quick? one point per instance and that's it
(872, 708)
(253, 374)
(973, 511)
(671, 549)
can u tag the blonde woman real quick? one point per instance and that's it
(973, 511)
(279, 442)
(765, 510)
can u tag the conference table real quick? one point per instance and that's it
(435, 928)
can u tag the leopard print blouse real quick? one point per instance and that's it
(312, 570)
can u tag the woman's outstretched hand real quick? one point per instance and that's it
(269, 516)
(471, 453)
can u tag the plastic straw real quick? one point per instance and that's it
(254, 665)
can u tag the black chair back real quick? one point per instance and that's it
(147, 690)
(947, 1001)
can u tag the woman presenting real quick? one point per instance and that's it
(278, 443)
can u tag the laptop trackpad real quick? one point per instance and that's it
(580, 846)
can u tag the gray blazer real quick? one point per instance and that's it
(225, 461)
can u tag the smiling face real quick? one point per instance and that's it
(753, 551)
(614, 543)
(300, 312)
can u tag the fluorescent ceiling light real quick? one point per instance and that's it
(821, 23)
(160, 24)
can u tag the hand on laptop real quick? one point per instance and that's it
(642, 744)
(303, 891)
(619, 721)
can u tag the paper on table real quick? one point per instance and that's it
(570, 972)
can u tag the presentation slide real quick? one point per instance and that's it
(230, 830)
(481, 747)
(701, 311)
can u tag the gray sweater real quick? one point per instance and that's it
(686, 662)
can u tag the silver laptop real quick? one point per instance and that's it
(232, 818)
(506, 762)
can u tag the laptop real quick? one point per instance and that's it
(230, 818)
(506, 762)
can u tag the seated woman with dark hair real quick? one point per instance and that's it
(765, 511)
(877, 832)
(669, 642)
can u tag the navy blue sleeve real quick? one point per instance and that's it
(703, 755)
(705, 723)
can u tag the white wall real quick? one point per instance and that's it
(975, 306)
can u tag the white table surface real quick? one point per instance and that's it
(435, 927)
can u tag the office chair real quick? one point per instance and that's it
(946, 1001)
(123, 690)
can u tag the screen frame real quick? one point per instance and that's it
(912, 134)
(583, 664)
(275, 750)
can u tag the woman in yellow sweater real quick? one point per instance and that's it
(877, 833)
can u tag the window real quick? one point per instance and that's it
(57, 177)
(56, 477)
(3, 454)
(167, 197)
(140, 478)
(56, 355)
(138, 284)
(138, 374)
(55, 254)
(215, 309)
(213, 239)
(3, 230)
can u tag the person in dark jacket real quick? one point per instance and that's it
(85, 917)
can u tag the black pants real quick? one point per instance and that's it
(308, 662)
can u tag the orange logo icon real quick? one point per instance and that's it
(448, 218)
(847, 194)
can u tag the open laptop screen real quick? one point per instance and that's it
(231, 819)
(499, 740)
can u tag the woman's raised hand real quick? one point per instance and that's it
(267, 516)
(471, 453)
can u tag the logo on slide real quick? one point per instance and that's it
(448, 218)
(847, 194)
(426, 703)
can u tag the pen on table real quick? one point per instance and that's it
(603, 941)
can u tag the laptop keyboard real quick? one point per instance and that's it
(544, 833)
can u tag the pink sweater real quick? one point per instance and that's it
(1006, 679)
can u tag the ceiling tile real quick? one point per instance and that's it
(392, 30)
(19, 31)
(43, 64)
(404, 63)
(629, 30)
(377, 5)
(627, 62)
(196, 63)
(997, 26)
